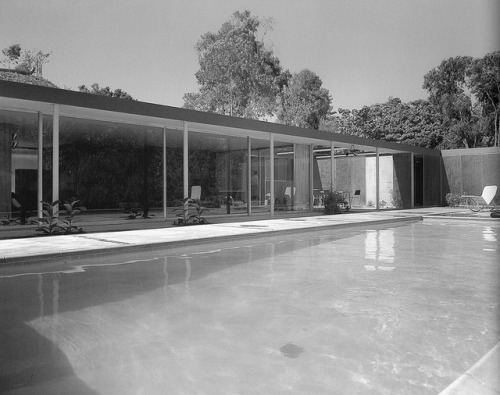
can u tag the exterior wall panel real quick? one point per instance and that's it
(452, 174)
(470, 170)
(402, 179)
(491, 170)
(472, 174)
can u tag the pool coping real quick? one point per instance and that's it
(480, 378)
(109, 242)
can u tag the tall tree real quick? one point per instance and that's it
(238, 74)
(304, 102)
(484, 82)
(448, 91)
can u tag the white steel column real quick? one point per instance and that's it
(165, 173)
(377, 179)
(440, 180)
(55, 154)
(249, 175)
(412, 180)
(332, 167)
(311, 177)
(40, 166)
(422, 180)
(185, 162)
(271, 172)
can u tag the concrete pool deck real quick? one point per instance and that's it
(480, 379)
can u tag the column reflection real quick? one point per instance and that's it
(379, 247)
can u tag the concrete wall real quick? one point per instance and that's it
(402, 180)
(470, 170)
(350, 174)
(354, 173)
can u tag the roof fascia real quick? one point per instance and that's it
(95, 102)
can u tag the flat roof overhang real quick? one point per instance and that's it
(32, 98)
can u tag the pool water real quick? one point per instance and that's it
(384, 310)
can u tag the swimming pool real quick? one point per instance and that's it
(389, 309)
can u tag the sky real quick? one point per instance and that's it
(364, 51)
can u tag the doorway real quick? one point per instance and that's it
(418, 186)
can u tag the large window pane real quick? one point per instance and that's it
(111, 167)
(260, 176)
(19, 166)
(284, 188)
(218, 164)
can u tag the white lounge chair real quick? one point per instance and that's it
(478, 203)
(195, 192)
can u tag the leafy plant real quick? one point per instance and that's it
(8, 220)
(334, 203)
(197, 218)
(71, 210)
(453, 199)
(49, 223)
(56, 221)
(281, 203)
(134, 213)
(186, 217)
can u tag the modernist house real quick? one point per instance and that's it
(112, 154)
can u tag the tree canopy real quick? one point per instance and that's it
(462, 110)
(304, 102)
(12, 55)
(95, 89)
(238, 74)
(466, 92)
(483, 76)
(27, 61)
(415, 123)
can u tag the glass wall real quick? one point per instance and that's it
(111, 167)
(292, 181)
(218, 164)
(260, 176)
(19, 166)
(302, 171)
(116, 170)
(322, 174)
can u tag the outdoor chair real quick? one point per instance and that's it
(357, 195)
(288, 191)
(18, 208)
(195, 192)
(478, 203)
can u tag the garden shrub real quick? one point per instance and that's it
(453, 199)
(333, 203)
